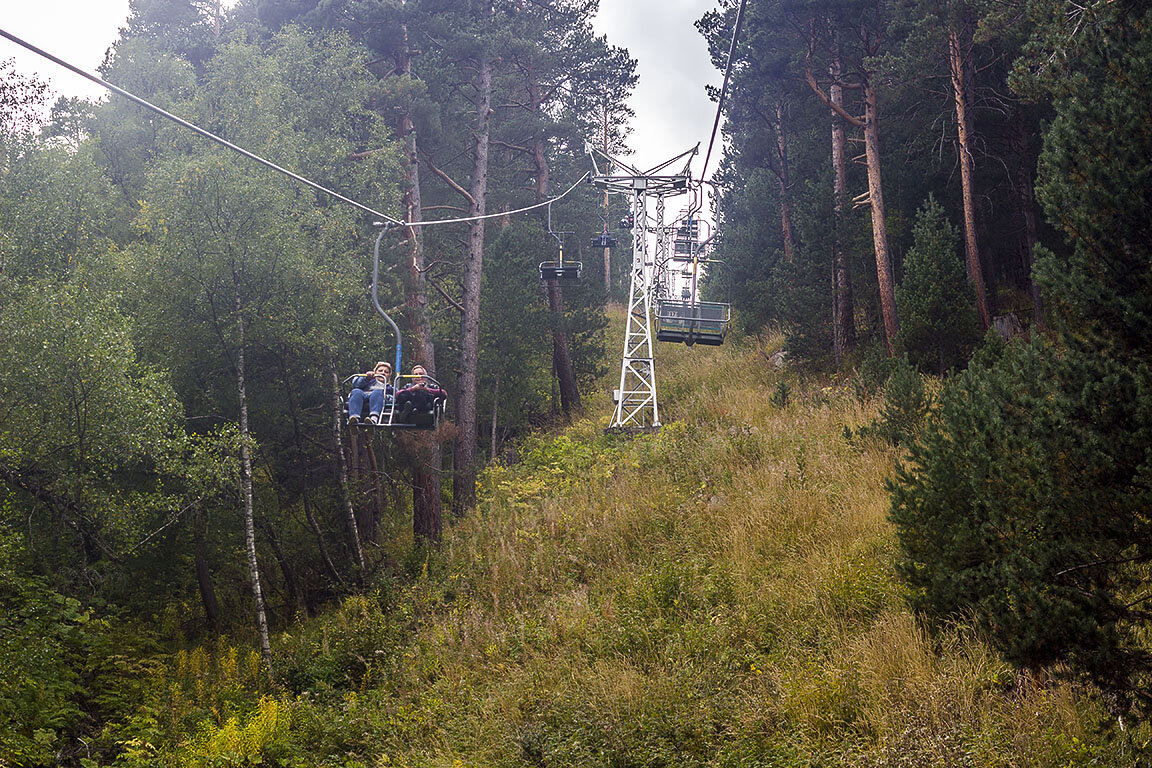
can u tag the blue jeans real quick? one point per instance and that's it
(356, 401)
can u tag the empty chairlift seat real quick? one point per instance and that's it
(686, 322)
(561, 270)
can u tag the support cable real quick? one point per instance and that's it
(724, 86)
(195, 128)
(267, 163)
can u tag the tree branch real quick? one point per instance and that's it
(856, 121)
(505, 144)
(364, 154)
(459, 307)
(20, 480)
(446, 178)
(1082, 566)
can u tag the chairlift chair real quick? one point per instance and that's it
(568, 271)
(690, 321)
(561, 269)
(426, 418)
(604, 240)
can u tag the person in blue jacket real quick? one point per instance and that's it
(374, 386)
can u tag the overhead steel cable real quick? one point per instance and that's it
(266, 163)
(724, 86)
(195, 128)
(498, 214)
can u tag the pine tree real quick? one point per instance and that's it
(1027, 498)
(937, 323)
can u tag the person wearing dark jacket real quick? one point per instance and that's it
(417, 397)
(374, 386)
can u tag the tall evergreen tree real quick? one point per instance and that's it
(937, 322)
(1028, 497)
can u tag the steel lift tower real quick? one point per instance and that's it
(637, 409)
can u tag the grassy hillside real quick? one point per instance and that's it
(719, 594)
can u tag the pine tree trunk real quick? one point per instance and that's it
(426, 508)
(203, 573)
(844, 337)
(376, 508)
(427, 521)
(785, 208)
(464, 446)
(345, 491)
(1027, 204)
(246, 486)
(959, 50)
(879, 226)
(561, 355)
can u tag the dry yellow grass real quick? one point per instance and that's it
(721, 593)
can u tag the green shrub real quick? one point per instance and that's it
(781, 394)
(1015, 503)
(906, 404)
(876, 367)
(42, 647)
(348, 649)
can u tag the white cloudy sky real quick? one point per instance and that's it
(672, 111)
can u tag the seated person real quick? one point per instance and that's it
(374, 386)
(417, 397)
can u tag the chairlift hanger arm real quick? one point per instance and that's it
(555, 235)
(376, 296)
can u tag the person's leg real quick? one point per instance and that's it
(375, 404)
(404, 404)
(355, 405)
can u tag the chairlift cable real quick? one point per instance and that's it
(253, 156)
(724, 86)
(498, 214)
